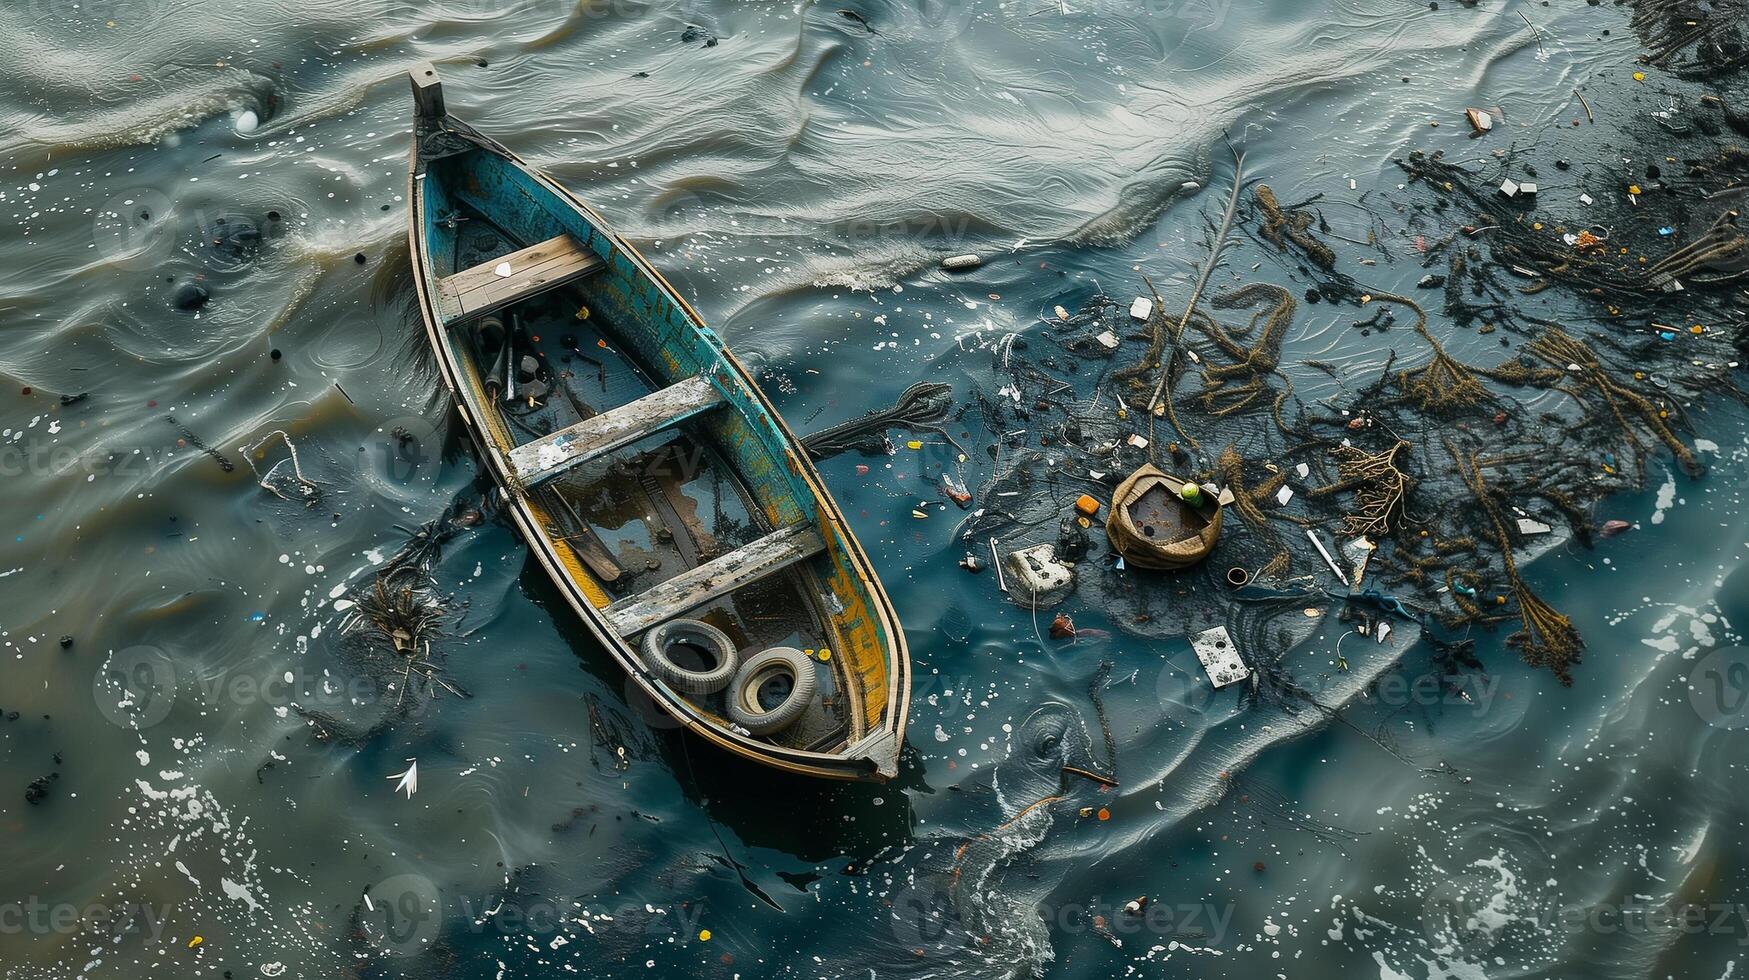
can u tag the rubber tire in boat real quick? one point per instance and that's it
(744, 706)
(696, 683)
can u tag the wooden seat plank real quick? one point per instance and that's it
(715, 578)
(524, 281)
(548, 456)
(520, 260)
(533, 270)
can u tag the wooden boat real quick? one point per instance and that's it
(665, 497)
(1151, 526)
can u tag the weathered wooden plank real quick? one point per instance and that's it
(541, 261)
(535, 269)
(580, 442)
(715, 578)
(519, 261)
(669, 518)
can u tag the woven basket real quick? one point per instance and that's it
(1201, 527)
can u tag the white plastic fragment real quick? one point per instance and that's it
(1219, 657)
(1142, 308)
(1358, 551)
(1527, 527)
(409, 778)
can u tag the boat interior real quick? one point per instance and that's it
(660, 483)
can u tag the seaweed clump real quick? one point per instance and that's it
(394, 630)
(1547, 637)
(1693, 38)
(1283, 226)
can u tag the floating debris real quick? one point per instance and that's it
(1037, 578)
(409, 779)
(1161, 521)
(292, 486)
(1219, 657)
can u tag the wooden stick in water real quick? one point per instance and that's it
(1220, 245)
(1534, 33)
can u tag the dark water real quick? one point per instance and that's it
(796, 179)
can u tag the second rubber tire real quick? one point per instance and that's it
(755, 673)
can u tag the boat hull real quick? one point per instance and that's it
(775, 460)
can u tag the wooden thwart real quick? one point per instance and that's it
(714, 579)
(576, 444)
(533, 270)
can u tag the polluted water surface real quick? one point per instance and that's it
(1438, 308)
